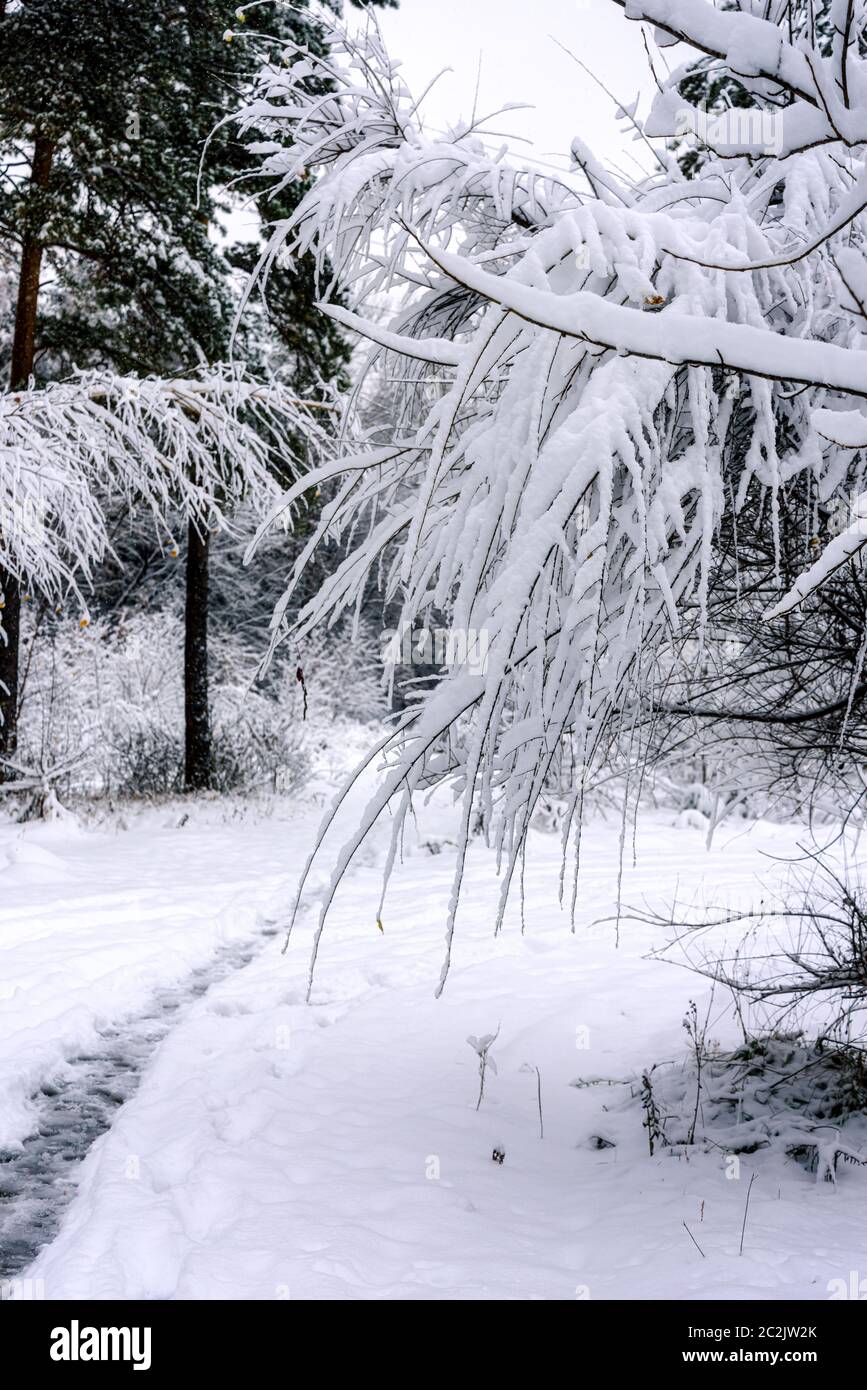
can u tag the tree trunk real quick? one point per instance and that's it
(10, 616)
(24, 339)
(197, 723)
(23, 350)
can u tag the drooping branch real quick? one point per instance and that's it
(602, 402)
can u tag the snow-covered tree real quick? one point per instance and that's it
(195, 445)
(113, 208)
(766, 715)
(610, 361)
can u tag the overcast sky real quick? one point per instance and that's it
(520, 61)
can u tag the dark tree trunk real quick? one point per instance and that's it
(24, 338)
(10, 615)
(197, 722)
(23, 349)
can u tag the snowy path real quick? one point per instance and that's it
(106, 937)
(277, 1150)
(37, 1177)
(93, 923)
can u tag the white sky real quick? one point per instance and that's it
(520, 62)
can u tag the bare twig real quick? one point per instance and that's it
(694, 1241)
(753, 1177)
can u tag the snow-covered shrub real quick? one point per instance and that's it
(100, 704)
(103, 706)
(804, 1100)
(796, 969)
(143, 761)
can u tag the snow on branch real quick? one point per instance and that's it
(823, 95)
(617, 362)
(193, 446)
(837, 553)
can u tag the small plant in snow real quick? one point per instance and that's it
(696, 1033)
(482, 1047)
(653, 1120)
(530, 1067)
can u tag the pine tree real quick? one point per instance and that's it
(116, 184)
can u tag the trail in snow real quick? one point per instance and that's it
(109, 936)
(37, 1179)
(332, 1150)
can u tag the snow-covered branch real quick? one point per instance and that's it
(187, 446)
(616, 363)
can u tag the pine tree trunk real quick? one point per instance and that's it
(10, 615)
(197, 723)
(23, 350)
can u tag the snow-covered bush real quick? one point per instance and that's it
(103, 707)
(781, 1093)
(795, 967)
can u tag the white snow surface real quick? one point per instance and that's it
(332, 1150)
(91, 924)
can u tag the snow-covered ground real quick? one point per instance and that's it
(277, 1149)
(91, 924)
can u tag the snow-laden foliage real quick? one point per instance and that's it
(799, 1099)
(593, 369)
(191, 446)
